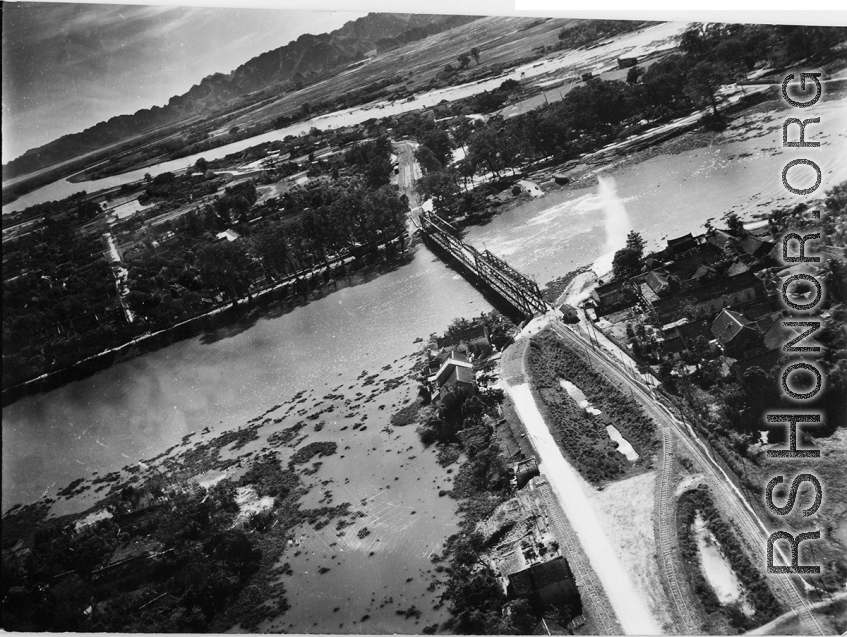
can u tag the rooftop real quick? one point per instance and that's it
(728, 324)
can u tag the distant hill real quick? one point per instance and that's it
(357, 39)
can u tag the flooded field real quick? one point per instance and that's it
(350, 355)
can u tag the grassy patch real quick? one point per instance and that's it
(582, 436)
(758, 594)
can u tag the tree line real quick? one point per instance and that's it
(600, 112)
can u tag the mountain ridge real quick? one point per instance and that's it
(290, 63)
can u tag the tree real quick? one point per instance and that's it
(87, 210)
(226, 266)
(662, 90)
(464, 60)
(462, 130)
(272, 249)
(626, 263)
(734, 224)
(202, 165)
(438, 142)
(635, 243)
(633, 74)
(703, 81)
(427, 159)
(475, 54)
(491, 150)
(442, 187)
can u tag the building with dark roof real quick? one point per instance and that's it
(546, 586)
(738, 337)
(681, 245)
(613, 296)
(569, 313)
(658, 282)
(712, 297)
(756, 247)
(476, 339)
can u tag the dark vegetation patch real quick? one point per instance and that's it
(758, 592)
(554, 288)
(306, 453)
(582, 436)
(188, 570)
(284, 437)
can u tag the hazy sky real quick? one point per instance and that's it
(68, 66)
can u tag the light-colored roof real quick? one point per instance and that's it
(229, 235)
(450, 363)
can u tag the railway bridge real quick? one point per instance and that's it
(483, 269)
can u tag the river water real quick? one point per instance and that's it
(137, 409)
(668, 195)
(638, 43)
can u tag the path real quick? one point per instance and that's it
(628, 604)
(753, 531)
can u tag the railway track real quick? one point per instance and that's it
(593, 596)
(668, 558)
(753, 532)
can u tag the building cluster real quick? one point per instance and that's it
(529, 563)
(713, 293)
(451, 362)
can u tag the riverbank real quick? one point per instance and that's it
(243, 312)
(325, 486)
(749, 118)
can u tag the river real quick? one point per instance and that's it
(638, 43)
(139, 408)
(668, 195)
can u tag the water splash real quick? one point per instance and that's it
(617, 223)
(617, 219)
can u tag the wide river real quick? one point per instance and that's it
(638, 43)
(139, 408)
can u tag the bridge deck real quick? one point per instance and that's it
(519, 291)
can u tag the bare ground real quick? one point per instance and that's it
(626, 511)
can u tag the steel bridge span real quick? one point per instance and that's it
(483, 269)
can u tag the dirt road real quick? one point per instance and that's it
(610, 360)
(628, 603)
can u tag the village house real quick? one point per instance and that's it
(476, 340)
(712, 297)
(746, 343)
(548, 585)
(613, 296)
(456, 372)
(679, 337)
(748, 244)
(737, 337)
(682, 246)
(569, 313)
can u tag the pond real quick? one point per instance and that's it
(716, 568)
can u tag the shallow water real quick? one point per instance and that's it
(623, 444)
(137, 409)
(717, 570)
(666, 196)
(579, 397)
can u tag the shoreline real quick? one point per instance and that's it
(216, 318)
